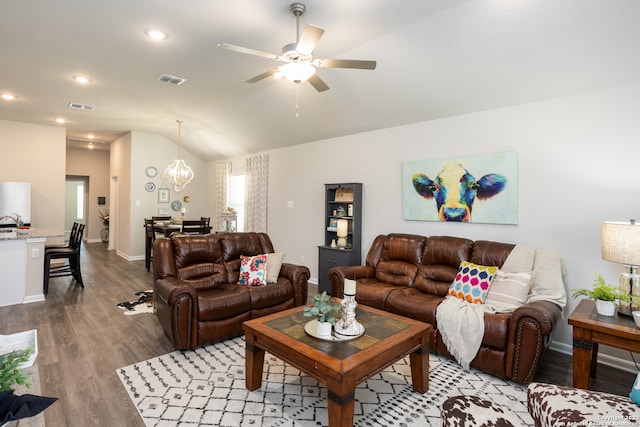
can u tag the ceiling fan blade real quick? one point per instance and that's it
(318, 83)
(309, 39)
(262, 76)
(346, 63)
(248, 51)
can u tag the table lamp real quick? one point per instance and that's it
(621, 244)
(342, 232)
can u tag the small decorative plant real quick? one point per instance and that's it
(104, 217)
(324, 308)
(10, 372)
(600, 291)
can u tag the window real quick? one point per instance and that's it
(236, 198)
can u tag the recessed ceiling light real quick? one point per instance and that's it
(60, 120)
(90, 136)
(8, 96)
(156, 34)
(82, 79)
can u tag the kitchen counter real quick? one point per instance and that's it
(22, 265)
(34, 233)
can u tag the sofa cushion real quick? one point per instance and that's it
(440, 261)
(274, 263)
(413, 303)
(490, 253)
(508, 291)
(204, 275)
(196, 249)
(373, 293)
(253, 270)
(472, 282)
(233, 245)
(227, 300)
(273, 294)
(401, 255)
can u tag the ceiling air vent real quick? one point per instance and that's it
(82, 107)
(168, 78)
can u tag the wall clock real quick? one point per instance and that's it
(151, 171)
(176, 205)
(150, 186)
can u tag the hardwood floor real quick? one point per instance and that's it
(83, 338)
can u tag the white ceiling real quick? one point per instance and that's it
(436, 58)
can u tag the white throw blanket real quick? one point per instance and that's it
(461, 324)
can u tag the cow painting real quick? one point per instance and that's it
(455, 190)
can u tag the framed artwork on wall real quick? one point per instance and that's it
(480, 188)
(163, 195)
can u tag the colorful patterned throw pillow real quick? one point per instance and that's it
(253, 270)
(472, 282)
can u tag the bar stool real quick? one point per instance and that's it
(71, 253)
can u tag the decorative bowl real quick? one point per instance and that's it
(636, 318)
(23, 230)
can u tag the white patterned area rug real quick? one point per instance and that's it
(206, 387)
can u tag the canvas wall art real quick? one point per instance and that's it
(481, 188)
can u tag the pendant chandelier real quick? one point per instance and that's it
(178, 173)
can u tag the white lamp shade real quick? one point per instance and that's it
(297, 72)
(343, 228)
(621, 242)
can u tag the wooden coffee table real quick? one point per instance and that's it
(341, 366)
(591, 329)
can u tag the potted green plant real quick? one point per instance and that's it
(325, 310)
(604, 295)
(10, 371)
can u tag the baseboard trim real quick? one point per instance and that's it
(615, 362)
(33, 298)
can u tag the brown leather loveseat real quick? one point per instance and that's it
(196, 293)
(410, 275)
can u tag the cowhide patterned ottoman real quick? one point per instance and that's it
(470, 411)
(554, 405)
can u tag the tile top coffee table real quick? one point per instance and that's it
(341, 366)
(591, 329)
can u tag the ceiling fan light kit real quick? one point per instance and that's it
(299, 65)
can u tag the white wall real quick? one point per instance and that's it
(578, 166)
(95, 165)
(155, 150)
(36, 154)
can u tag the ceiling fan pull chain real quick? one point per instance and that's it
(297, 109)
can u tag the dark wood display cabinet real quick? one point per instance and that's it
(343, 206)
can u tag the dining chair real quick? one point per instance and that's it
(195, 226)
(207, 220)
(150, 236)
(69, 253)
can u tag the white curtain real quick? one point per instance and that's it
(222, 172)
(256, 185)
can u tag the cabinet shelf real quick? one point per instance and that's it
(344, 198)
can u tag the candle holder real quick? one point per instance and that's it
(348, 325)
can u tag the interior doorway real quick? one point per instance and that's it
(76, 202)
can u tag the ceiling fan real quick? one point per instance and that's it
(299, 64)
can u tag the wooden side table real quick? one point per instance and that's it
(591, 329)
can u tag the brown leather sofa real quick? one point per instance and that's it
(410, 275)
(196, 294)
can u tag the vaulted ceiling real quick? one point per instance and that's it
(435, 58)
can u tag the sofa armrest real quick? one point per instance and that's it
(530, 330)
(176, 306)
(353, 272)
(298, 275)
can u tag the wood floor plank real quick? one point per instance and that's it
(83, 338)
